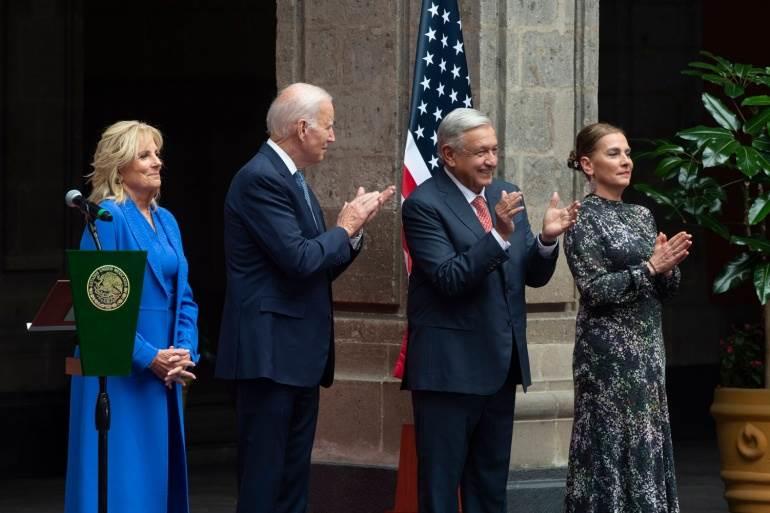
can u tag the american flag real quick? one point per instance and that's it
(441, 84)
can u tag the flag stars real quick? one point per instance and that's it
(433, 10)
(423, 107)
(440, 89)
(434, 138)
(428, 58)
(431, 35)
(453, 96)
(468, 78)
(445, 16)
(425, 83)
(460, 23)
(437, 115)
(467, 101)
(419, 132)
(442, 65)
(458, 47)
(455, 71)
(434, 162)
(444, 41)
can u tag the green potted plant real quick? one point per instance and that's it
(697, 168)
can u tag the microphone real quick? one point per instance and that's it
(91, 210)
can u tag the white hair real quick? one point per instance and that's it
(293, 103)
(456, 123)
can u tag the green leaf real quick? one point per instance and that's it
(759, 209)
(762, 281)
(761, 245)
(762, 161)
(719, 151)
(708, 77)
(737, 271)
(687, 176)
(733, 90)
(762, 143)
(663, 148)
(724, 64)
(743, 70)
(750, 161)
(704, 65)
(712, 193)
(758, 122)
(703, 134)
(762, 80)
(710, 222)
(744, 163)
(658, 197)
(667, 167)
(760, 100)
(721, 114)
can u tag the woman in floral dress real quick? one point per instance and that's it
(621, 458)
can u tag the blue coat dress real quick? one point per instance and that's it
(146, 456)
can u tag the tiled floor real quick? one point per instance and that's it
(212, 488)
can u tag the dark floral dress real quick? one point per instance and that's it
(621, 458)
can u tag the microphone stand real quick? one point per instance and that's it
(102, 410)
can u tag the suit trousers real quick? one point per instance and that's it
(464, 440)
(276, 427)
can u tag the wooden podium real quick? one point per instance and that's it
(57, 314)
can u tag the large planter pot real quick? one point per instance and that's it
(743, 429)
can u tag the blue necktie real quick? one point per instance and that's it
(300, 178)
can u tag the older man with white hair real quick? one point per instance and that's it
(472, 252)
(277, 340)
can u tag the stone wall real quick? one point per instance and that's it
(534, 70)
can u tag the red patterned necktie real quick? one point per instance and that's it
(482, 212)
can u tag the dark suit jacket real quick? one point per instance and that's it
(277, 321)
(466, 295)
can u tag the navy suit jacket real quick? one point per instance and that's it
(466, 308)
(277, 321)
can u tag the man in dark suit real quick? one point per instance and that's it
(277, 339)
(472, 254)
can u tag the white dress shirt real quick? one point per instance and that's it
(355, 240)
(469, 195)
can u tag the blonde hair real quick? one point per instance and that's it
(117, 148)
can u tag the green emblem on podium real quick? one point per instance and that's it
(108, 287)
(106, 291)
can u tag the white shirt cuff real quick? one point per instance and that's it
(546, 251)
(503, 243)
(355, 240)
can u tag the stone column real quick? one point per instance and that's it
(539, 67)
(534, 69)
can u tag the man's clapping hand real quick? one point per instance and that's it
(361, 209)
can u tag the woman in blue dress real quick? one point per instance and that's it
(146, 450)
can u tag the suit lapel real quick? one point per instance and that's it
(295, 192)
(492, 195)
(139, 228)
(458, 204)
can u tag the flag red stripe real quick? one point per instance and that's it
(407, 183)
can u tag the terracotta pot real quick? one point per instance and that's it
(743, 429)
